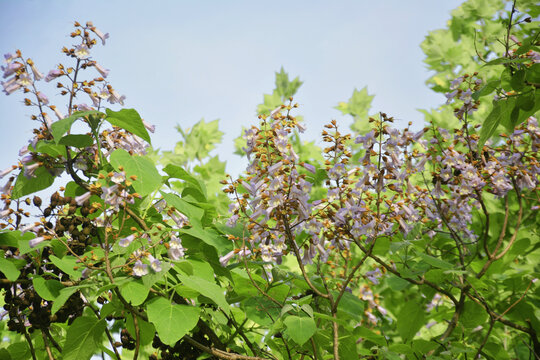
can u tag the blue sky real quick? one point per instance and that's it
(180, 61)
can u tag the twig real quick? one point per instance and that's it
(46, 343)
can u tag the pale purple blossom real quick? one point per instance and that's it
(140, 269)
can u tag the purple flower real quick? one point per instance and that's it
(140, 269)
(53, 74)
(155, 264)
(125, 242)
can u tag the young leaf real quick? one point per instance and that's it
(300, 329)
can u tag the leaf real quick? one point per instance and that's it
(486, 89)
(284, 87)
(500, 114)
(207, 236)
(47, 289)
(8, 268)
(130, 120)
(148, 178)
(134, 292)
(61, 299)
(67, 264)
(351, 305)
(25, 186)
(194, 213)
(300, 329)
(83, 337)
(5, 355)
(369, 335)
(146, 329)
(208, 289)
(60, 127)
(77, 140)
(409, 320)
(435, 262)
(473, 315)
(172, 322)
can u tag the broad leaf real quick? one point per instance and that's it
(409, 320)
(134, 291)
(77, 140)
(130, 120)
(172, 322)
(83, 337)
(147, 180)
(25, 186)
(300, 329)
(47, 289)
(60, 127)
(209, 289)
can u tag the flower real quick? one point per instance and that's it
(96, 31)
(82, 51)
(118, 178)
(104, 72)
(140, 269)
(37, 75)
(36, 241)
(42, 98)
(81, 199)
(155, 264)
(53, 74)
(125, 242)
(7, 171)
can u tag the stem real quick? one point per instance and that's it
(47, 348)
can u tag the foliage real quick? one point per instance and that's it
(386, 244)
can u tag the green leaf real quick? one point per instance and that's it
(24, 186)
(62, 297)
(284, 87)
(148, 178)
(4, 354)
(209, 237)
(83, 337)
(410, 319)
(147, 331)
(300, 329)
(172, 322)
(435, 262)
(194, 213)
(134, 291)
(178, 172)
(60, 127)
(130, 120)
(67, 264)
(47, 289)
(8, 268)
(396, 283)
(77, 140)
(206, 288)
(473, 315)
(486, 89)
(367, 334)
(500, 114)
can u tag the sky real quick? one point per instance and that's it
(179, 61)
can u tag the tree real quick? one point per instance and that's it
(387, 243)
